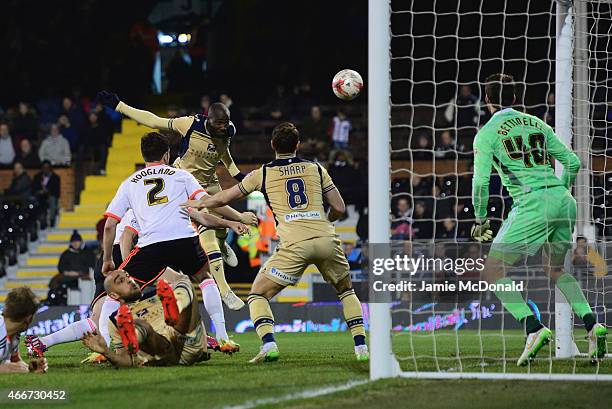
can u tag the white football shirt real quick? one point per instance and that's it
(155, 194)
(128, 221)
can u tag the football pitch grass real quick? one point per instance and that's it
(310, 362)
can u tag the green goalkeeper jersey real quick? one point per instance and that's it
(519, 146)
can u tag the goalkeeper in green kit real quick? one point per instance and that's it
(519, 147)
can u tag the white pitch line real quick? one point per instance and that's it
(310, 393)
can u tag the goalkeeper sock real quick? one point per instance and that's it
(212, 304)
(261, 315)
(532, 324)
(215, 263)
(353, 315)
(110, 305)
(574, 295)
(183, 292)
(72, 332)
(513, 301)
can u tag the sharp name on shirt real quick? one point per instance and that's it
(290, 170)
(151, 171)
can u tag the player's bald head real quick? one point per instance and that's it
(218, 111)
(121, 287)
(218, 123)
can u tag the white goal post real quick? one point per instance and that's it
(572, 125)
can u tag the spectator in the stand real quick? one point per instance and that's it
(420, 186)
(55, 148)
(7, 151)
(447, 229)
(46, 187)
(96, 139)
(341, 127)
(25, 122)
(74, 263)
(75, 114)
(579, 255)
(21, 184)
(204, 105)
(402, 218)
(315, 141)
(422, 150)
(27, 156)
(445, 148)
(346, 177)
(422, 225)
(235, 112)
(465, 109)
(69, 132)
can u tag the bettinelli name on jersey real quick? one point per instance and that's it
(152, 171)
(507, 125)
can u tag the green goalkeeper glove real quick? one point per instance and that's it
(481, 231)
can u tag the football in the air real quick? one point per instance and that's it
(347, 84)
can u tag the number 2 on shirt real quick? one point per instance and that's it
(152, 197)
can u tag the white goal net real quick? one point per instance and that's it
(428, 62)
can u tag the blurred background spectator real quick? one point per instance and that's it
(313, 134)
(55, 148)
(27, 156)
(24, 122)
(46, 188)
(7, 151)
(21, 184)
(463, 111)
(341, 126)
(75, 262)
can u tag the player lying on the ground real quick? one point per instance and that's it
(101, 306)
(156, 328)
(295, 189)
(19, 308)
(544, 211)
(167, 235)
(205, 143)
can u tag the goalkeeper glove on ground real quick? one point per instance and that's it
(481, 231)
(108, 99)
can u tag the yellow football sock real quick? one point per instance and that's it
(209, 243)
(261, 315)
(183, 292)
(353, 315)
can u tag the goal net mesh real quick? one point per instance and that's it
(441, 54)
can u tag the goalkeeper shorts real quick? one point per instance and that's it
(544, 216)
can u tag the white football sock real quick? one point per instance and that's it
(108, 308)
(72, 332)
(212, 303)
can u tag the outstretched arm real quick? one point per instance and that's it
(220, 199)
(213, 222)
(146, 118)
